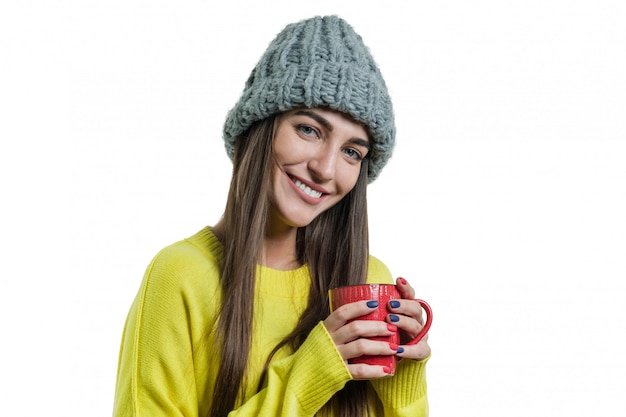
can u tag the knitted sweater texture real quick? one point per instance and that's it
(169, 359)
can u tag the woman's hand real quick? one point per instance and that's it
(407, 315)
(350, 336)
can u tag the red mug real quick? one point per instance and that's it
(382, 293)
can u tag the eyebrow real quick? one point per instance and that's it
(329, 127)
(319, 119)
(361, 142)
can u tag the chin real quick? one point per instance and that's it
(299, 221)
(295, 218)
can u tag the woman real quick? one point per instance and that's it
(235, 319)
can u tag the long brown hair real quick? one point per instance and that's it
(334, 245)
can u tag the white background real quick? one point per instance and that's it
(503, 204)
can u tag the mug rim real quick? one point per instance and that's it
(364, 285)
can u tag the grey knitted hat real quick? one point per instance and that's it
(318, 62)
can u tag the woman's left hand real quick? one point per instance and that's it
(408, 316)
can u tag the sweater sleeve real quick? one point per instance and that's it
(404, 394)
(301, 384)
(156, 363)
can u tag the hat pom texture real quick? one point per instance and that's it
(318, 62)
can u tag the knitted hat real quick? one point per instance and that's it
(318, 62)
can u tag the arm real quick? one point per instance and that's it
(168, 362)
(156, 370)
(302, 383)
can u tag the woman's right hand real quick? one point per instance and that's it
(350, 336)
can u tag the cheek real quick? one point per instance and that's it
(276, 178)
(349, 177)
(286, 154)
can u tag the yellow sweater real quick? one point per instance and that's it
(168, 360)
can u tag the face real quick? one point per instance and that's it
(318, 155)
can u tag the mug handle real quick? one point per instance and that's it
(429, 319)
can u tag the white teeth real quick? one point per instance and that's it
(307, 190)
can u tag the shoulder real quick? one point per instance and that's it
(377, 271)
(189, 266)
(201, 250)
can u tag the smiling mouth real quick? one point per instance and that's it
(306, 189)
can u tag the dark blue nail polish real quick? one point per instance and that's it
(394, 303)
(394, 318)
(400, 349)
(372, 304)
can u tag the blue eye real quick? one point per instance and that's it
(352, 153)
(307, 130)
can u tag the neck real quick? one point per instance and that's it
(279, 246)
(279, 249)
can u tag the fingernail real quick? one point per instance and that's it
(394, 303)
(403, 281)
(400, 349)
(393, 346)
(392, 328)
(386, 369)
(372, 304)
(394, 318)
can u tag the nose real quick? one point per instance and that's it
(324, 164)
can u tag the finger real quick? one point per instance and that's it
(360, 347)
(418, 351)
(405, 289)
(362, 328)
(347, 312)
(410, 326)
(410, 308)
(364, 371)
